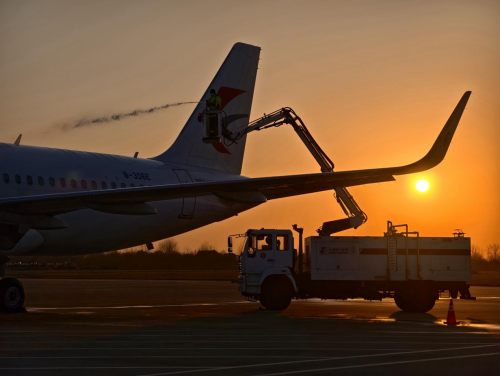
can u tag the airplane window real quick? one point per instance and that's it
(113, 185)
(62, 182)
(6, 178)
(93, 184)
(29, 180)
(52, 182)
(41, 182)
(84, 184)
(104, 185)
(122, 185)
(18, 179)
(73, 183)
(132, 185)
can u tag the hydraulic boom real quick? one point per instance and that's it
(286, 115)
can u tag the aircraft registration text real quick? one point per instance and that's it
(136, 175)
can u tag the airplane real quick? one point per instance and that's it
(63, 202)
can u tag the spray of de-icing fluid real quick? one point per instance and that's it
(117, 117)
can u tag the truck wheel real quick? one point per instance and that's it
(424, 301)
(403, 302)
(11, 295)
(416, 301)
(276, 294)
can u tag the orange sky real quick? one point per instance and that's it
(373, 81)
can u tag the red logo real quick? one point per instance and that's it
(227, 94)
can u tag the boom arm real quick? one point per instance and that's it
(350, 207)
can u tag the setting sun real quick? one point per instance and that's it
(422, 185)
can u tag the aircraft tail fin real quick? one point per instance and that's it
(234, 84)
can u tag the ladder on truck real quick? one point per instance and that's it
(285, 115)
(392, 235)
(392, 255)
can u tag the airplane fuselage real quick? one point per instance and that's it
(31, 171)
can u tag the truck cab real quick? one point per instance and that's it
(268, 259)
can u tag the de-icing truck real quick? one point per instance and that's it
(402, 265)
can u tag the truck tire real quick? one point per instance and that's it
(11, 295)
(276, 293)
(402, 301)
(425, 301)
(415, 301)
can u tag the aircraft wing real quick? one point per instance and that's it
(255, 190)
(251, 190)
(435, 156)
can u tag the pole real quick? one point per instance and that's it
(300, 230)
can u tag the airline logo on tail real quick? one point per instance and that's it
(227, 94)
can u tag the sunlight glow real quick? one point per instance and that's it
(422, 185)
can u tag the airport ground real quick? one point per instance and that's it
(160, 327)
(482, 278)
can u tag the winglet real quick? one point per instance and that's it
(441, 145)
(18, 140)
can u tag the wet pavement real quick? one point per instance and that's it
(122, 327)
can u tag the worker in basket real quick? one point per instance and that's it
(213, 103)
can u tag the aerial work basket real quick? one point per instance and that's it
(214, 122)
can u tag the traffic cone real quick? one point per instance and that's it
(451, 319)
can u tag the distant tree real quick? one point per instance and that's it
(189, 251)
(206, 246)
(478, 260)
(168, 246)
(493, 252)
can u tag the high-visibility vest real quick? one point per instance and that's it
(214, 102)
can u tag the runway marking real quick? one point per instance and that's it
(487, 297)
(238, 333)
(105, 367)
(121, 334)
(200, 342)
(485, 326)
(440, 332)
(172, 356)
(34, 309)
(379, 364)
(162, 356)
(318, 360)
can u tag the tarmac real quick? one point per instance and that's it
(131, 327)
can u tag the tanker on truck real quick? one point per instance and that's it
(413, 270)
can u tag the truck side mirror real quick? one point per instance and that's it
(230, 244)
